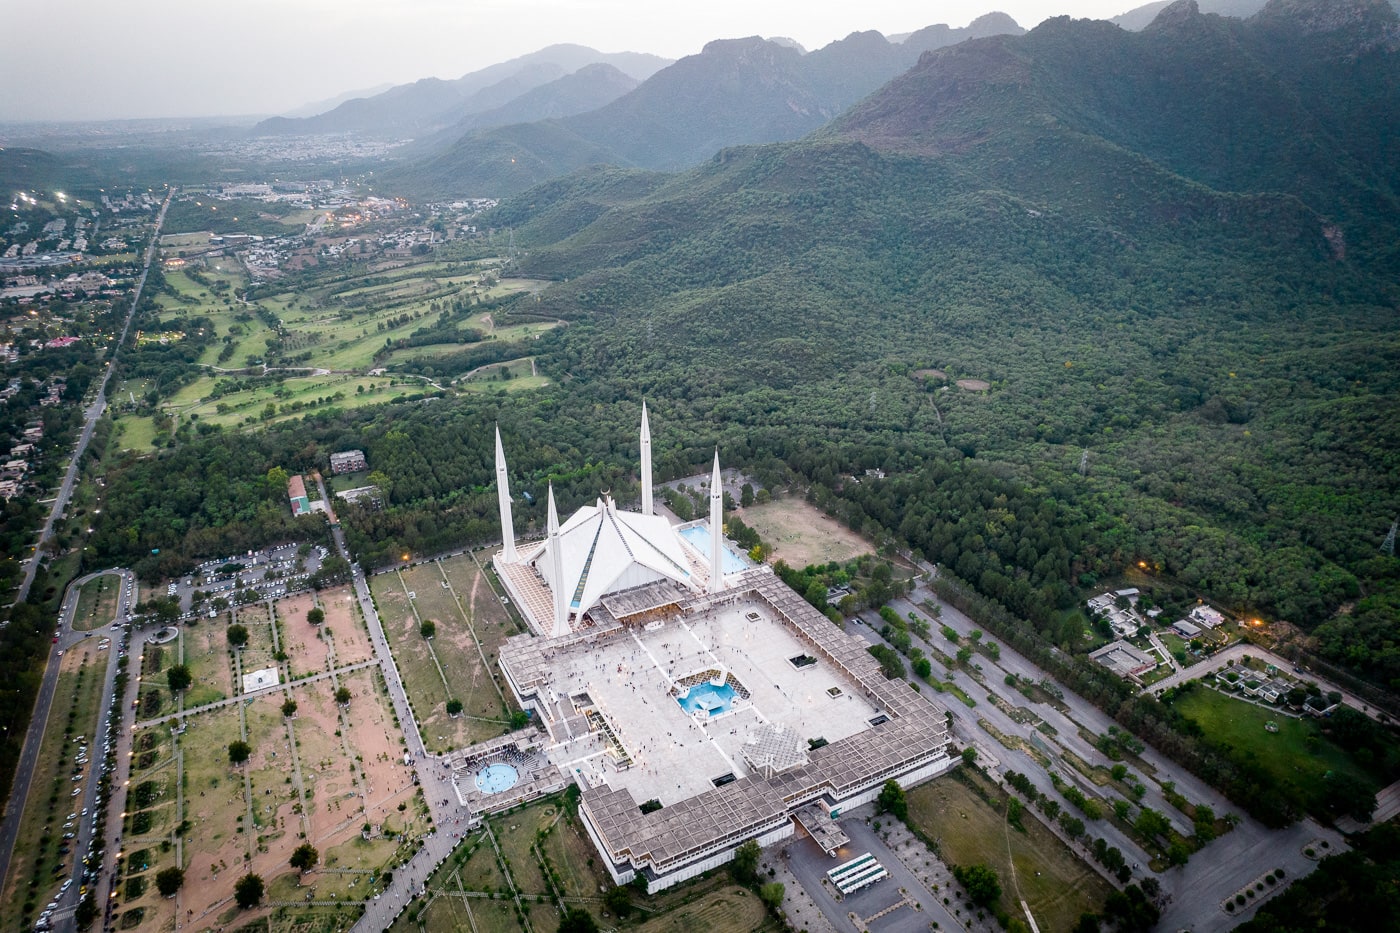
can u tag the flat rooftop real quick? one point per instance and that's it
(632, 679)
(766, 667)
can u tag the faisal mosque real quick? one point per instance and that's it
(695, 699)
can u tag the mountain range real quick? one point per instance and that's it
(734, 91)
(432, 104)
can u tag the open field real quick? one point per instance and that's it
(511, 376)
(800, 534)
(712, 903)
(1056, 884)
(31, 882)
(207, 656)
(1296, 767)
(328, 785)
(97, 603)
(450, 667)
(729, 908)
(330, 332)
(135, 433)
(490, 622)
(153, 697)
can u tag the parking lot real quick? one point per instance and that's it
(267, 574)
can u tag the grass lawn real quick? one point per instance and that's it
(1055, 882)
(467, 678)
(515, 834)
(575, 860)
(729, 908)
(136, 433)
(512, 376)
(97, 603)
(1295, 768)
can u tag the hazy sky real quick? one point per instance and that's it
(99, 59)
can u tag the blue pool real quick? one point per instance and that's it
(706, 696)
(699, 535)
(495, 778)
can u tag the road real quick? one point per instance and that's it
(91, 416)
(450, 819)
(1235, 652)
(1217, 871)
(34, 739)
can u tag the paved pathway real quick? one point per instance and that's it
(1235, 652)
(450, 819)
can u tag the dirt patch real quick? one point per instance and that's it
(351, 640)
(306, 653)
(349, 776)
(798, 533)
(935, 374)
(974, 385)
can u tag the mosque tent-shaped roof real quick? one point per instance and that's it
(605, 551)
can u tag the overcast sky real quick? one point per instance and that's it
(99, 59)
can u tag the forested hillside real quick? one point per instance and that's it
(1215, 329)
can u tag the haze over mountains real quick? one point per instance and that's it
(735, 91)
(433, 104)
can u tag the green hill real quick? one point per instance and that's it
(1212, 319)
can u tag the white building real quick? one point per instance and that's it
(696, 709)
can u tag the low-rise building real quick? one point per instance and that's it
(1124, 659)
(1206, 617)
(1186, 629)
(348, 461)
(296, 493)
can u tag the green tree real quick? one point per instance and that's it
(892, 800)
(342, 696)
(577, 920)
(87, 911)
(745, 864)
(237, 635)
(303, 857)
(289, 707)
(772, 894)
(179, 678)
(248, 891)
(428, 629)
(618, 901)
(315, 616)
(980, 882)
(238, 751)
(168, 880)
(969, 756)
(454, 707)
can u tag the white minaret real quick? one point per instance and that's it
(556, 570)
(646, 462)
(716, 529)
(503, 495)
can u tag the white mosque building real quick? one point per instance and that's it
(601, 551)
(696, 700)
